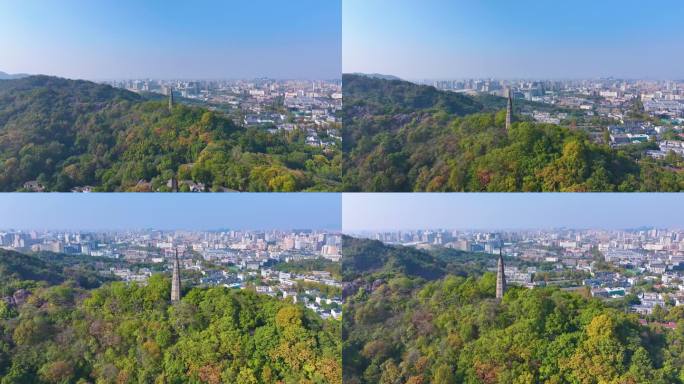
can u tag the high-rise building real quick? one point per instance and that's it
(175, 279)
(500, 278)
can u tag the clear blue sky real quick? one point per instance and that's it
(101, 211)
(431, 39)
(106, 39)
(381, 211)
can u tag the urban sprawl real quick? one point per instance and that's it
(275, 105)
(619, 111)
(234, 259)
(646, 265)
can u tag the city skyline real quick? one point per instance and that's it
(493, 230)
(113, 211)
(376, 212)
(174, 40)
(441, 39)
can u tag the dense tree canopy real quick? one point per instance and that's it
(310, 265)
(378, 259)
(399, 136)
(129, 333)
(66, 134)
(46, 268)
(400, 327)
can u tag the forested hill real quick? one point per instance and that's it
(403, 328)
(375, 95)
(19, 271)
(371, 256)
(19, 266)
(61, 134)
(362, 257)
(400, 136)
(53, 330)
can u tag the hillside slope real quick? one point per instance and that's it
(448, 328)
(125, 333)
(71, 133)
(400, 136)
(366, 257)
(19, 270)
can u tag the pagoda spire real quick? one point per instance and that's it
(175, 279)
(500, 277)
(170, 99)
(509, 109)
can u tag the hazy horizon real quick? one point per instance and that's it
(377, 212)
(526, 39)
(169, 211)
(414, 80)
(209, 39)
(505, 230)
(252, 78)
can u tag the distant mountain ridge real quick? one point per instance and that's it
(375, 76)
(7, 76)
